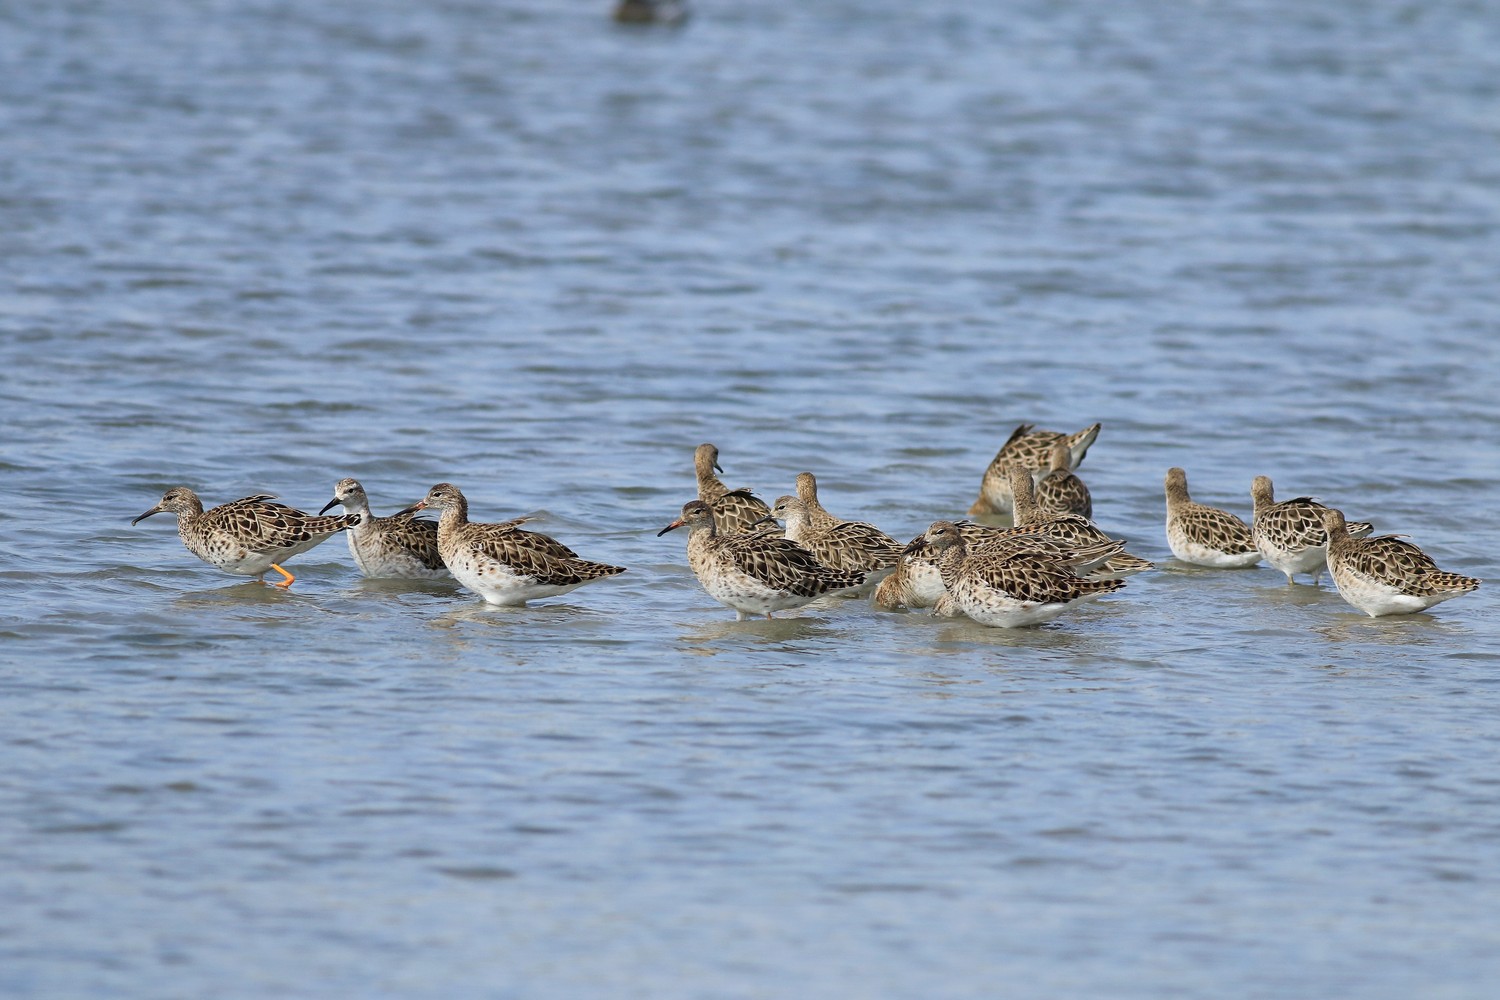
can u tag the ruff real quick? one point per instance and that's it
(1007, 588)
(399, 547)
(661, 12)
(1069, 528)
(1387, 575)
(1203, 535)
(1029, 449)
(1059, 491)
(917, 580)
(1290, 534)
(847, 545)
(807, 492)
(247, 537)
(755, 574)
(734, 510)
(501, 562)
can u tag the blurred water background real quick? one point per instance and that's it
(258, 246)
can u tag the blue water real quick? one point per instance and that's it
(257, 247)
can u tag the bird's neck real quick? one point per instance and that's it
(454, 516)
(360, 506)
(709, 486)
(950, 562)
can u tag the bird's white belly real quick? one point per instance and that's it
(924, 583)
(1309, 560)
(498, 583)
(999, 610)
(748, 595)
(1376, 599)
(1198, 554)
(241, 561)
(389, 562)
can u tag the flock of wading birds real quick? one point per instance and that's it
(1052, 558)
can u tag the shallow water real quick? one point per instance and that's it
(259, 247)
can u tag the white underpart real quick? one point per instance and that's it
(1375, 598)
(499, 583)
(1198, 554)
(747, 595)
(994, 608)
(924, 583)
(735, 588)
(1310, 560)
(380, 561)
(240, 561)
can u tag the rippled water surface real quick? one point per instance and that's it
(260, 246)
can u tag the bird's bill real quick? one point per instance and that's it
(332, 503)
(154, 510)
(768, 519)
(717, 466)
(675, 524)
(419, 505)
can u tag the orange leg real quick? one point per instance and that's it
(289, 577)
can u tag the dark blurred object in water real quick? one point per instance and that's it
(651, 12)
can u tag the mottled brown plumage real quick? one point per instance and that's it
(1387, 575)
(755, 573)
(1059, 491)
(247, 537)
(396, 547)
(1069, 528)
(917, 582)
(807, 492)
(853, 545)
(902, 587)
(1032, 450)
(736, 510)
(1290, 533)
(1007, 587)
(501, 562)
(1203, 535)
